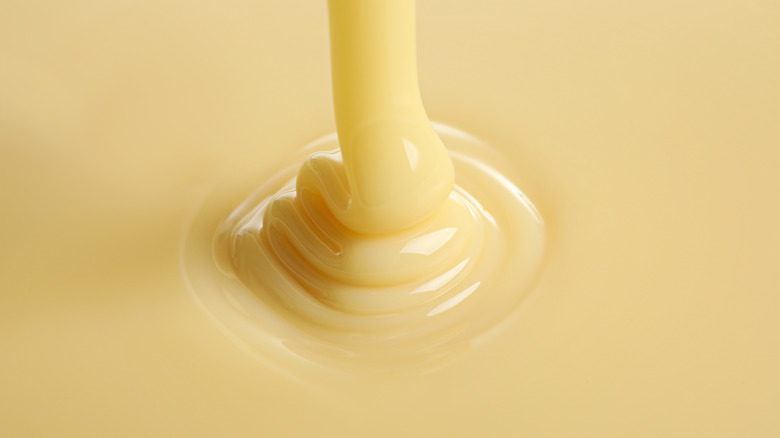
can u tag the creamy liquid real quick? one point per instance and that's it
(370, 259)
(646, 135)
(396, 171)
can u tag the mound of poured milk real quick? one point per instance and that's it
(385, 250)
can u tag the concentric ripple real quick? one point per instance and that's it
(297, 286)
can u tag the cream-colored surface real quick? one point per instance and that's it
(645, 133)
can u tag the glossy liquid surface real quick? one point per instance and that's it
(368, 259)
(310, 296)
(646, 135)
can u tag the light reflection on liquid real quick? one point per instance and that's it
(443, 285)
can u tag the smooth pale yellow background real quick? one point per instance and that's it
(647, 132)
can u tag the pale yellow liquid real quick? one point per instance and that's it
(396, 170)
(646, 135)
(375, 256)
